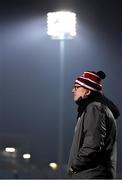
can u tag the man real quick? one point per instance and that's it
(93, 150)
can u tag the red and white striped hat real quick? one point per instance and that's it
(91, 80)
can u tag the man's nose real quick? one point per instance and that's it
(73, 90)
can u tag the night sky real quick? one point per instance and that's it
(30, 71)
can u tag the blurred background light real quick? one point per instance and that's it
(53, 165)
(26, 156)
(10, 149)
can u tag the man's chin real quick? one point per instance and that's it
(76, 99)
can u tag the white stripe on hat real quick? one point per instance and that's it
(86, 86)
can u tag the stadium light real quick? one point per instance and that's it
(61, 24)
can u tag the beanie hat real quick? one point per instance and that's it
(91, 80)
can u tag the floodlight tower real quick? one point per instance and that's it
(61, 25)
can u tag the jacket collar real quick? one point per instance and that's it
(97, 97)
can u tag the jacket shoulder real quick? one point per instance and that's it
(98, 105)
(101, 107)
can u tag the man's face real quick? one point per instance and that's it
(79, 91)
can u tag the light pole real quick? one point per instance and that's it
(61, 25)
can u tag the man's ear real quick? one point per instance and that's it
(88, 92)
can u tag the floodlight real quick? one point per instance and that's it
(61, 24)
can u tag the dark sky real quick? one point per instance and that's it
(30, 66)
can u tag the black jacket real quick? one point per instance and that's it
(93, 150)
